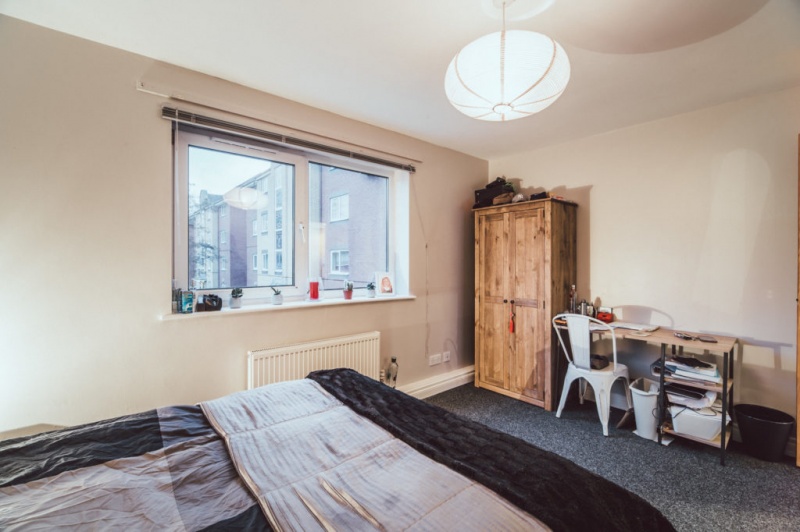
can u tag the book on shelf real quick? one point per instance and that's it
(679, 370)
(692, 364)
(685, 374)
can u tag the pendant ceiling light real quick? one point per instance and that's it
(507, 75)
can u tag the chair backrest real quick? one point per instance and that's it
(580, 328)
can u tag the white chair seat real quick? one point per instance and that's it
(601, 380)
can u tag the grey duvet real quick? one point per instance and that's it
(335, 451)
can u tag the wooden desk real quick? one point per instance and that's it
(724, 346)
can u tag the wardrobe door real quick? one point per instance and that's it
(491, 286)
(528, 346)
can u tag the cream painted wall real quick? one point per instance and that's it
(691, 222)
(85, 211)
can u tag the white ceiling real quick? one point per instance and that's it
(383, 62)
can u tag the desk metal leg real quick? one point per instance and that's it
(726, 405)
(662, 396)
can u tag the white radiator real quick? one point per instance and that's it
(361, 352)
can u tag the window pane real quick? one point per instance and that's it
(346, 243)
(225, 209)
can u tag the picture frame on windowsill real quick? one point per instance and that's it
(384, 284)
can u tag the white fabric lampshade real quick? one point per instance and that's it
(507, 75)
(241, 198)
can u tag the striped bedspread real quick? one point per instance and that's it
(314, 463)
(335, 451)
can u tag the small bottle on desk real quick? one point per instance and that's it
(573, 295)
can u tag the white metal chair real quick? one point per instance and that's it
(580, 329)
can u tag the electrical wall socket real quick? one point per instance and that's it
(435, 359)
(446, 356)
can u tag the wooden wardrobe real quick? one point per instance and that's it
(525, 263)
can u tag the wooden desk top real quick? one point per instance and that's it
(664, 335)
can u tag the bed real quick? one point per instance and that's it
(334, 451)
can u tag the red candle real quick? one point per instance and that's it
(313, 290)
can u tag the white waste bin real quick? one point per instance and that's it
(645, 404)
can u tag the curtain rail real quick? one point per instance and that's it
(176, 115)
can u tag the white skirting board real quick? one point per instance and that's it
(440, 383)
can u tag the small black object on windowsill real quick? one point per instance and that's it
(208, 303)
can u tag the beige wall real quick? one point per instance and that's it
(85, 211)
(691, 222)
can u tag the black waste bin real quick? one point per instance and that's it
(765, 431)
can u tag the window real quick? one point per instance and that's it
(360, 247)
(265, 222)
(340, 261)
(340, 208)
(298, 194)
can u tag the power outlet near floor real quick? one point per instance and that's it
(446, 356)
(435, 359)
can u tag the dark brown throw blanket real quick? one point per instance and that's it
(561, 494)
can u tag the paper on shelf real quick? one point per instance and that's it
(703, 402)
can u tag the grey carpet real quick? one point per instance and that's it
(684, 480)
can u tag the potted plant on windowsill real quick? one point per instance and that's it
(277, 298)
(348, 289)
(370, 289)
(236, 298)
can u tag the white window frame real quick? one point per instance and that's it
(265, 261)
(398, 213)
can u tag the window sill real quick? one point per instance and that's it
(287, 305)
